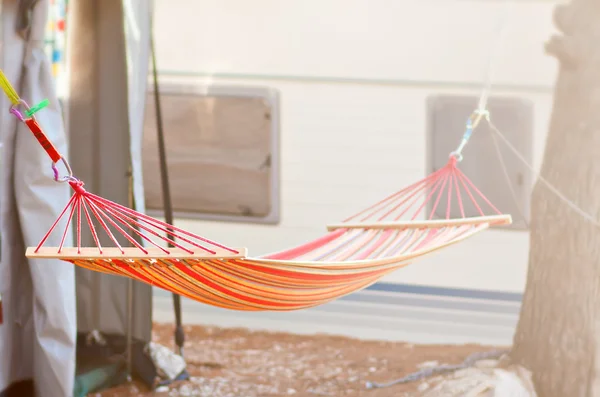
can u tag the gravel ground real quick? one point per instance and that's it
(243, 363)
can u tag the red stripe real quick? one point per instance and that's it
(281, 292)
(198, 292)
(132, 270)
(306, 276)
(305, 248)
(430, 234)
(184, 268)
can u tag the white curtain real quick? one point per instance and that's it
(107, 61)
(137, 37)
(37, 338)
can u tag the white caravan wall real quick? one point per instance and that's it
(353, 78)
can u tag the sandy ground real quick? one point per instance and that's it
(242, 363)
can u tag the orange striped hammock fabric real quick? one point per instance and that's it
(353, 254)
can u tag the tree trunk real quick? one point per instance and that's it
(558, 335)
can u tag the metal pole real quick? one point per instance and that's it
(130, 293)
(166, 191)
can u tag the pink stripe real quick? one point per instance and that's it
(395, 244)
(306, 248)
(356, 246)
(382, 239)
(335, 246)
(408, 244)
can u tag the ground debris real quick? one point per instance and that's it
(242, 363)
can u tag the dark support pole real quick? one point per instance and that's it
(166, 191)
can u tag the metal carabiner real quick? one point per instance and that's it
(65, 178)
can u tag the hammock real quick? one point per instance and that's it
(351, 256)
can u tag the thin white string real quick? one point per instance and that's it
(507, 179)
(493, 58)
(551, 187)
(481, 110)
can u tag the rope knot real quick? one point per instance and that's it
(77, 186)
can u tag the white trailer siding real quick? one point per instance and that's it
(353, 77)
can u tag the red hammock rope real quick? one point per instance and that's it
(112, 219)
(110, 215)
(449, 182)
(98, 216)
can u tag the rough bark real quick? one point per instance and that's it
(558, 335)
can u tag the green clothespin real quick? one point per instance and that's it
(37, 108)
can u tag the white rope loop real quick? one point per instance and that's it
(481, 111)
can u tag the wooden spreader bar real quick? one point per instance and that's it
(132, 253)
(494, 220)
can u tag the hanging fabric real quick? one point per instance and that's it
(37, 339)
(55, 41)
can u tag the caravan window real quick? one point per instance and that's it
(222, 153)
(494, 169)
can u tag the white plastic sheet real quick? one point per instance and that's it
(37, 339)
(108, 44)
